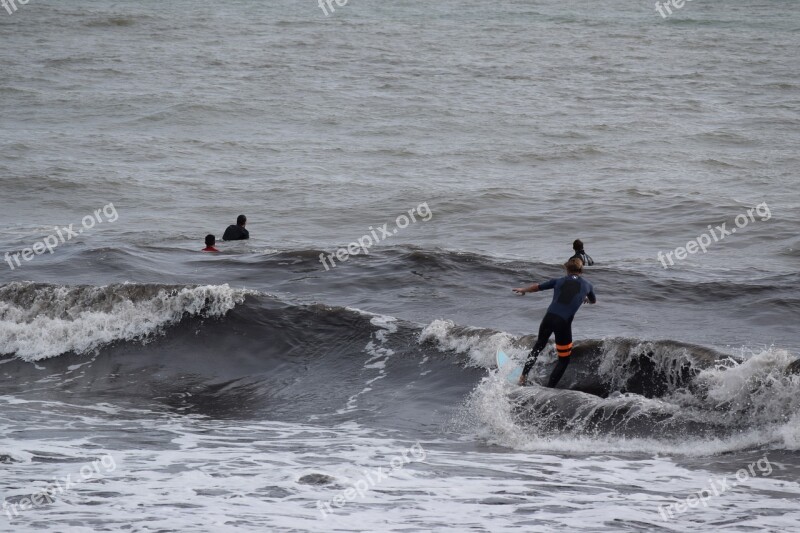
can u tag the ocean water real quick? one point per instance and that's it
(462, 145)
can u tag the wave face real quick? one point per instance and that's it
(223, 352)
(625, 394)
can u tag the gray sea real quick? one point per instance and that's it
(402, 165)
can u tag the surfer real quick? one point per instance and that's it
(569, 292)
(236, 232)
(581, 254)
(210, 242)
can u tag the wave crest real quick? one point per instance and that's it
(38, 321)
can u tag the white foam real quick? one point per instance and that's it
(379, 354)
(755, 394)
(207, 475)
(77, 327)
(480, 347)
(490, 413)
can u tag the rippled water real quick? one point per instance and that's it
(218, 383)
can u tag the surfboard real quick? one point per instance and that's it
(507, 367)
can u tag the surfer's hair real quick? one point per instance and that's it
(210, 240)
(577, 245)
(574, 266)
(240, 220)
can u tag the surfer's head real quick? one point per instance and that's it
(241, 220)
(210, 240)
(577, 245)
(574, 266)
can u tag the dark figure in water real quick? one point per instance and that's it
(210, 242)
(569, 293)
(581, 254)
(237, 232)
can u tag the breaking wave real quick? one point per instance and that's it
(626, 394)
(219, 351)
(38, 321)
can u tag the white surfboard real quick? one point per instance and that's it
(507, 367)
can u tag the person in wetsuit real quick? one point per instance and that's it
(569, 293)
(577, 246)
(236, 232)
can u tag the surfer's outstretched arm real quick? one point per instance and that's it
(522, 291)
(590, 298)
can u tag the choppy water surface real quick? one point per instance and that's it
(149, 387)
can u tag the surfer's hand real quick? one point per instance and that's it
(522, 379)
(522, 291)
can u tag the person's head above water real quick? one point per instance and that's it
(574, 266)
(577, 245)
(241, 220)
(210, 241)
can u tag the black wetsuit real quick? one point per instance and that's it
(568, 296)
(583, 256)
(235, 232)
